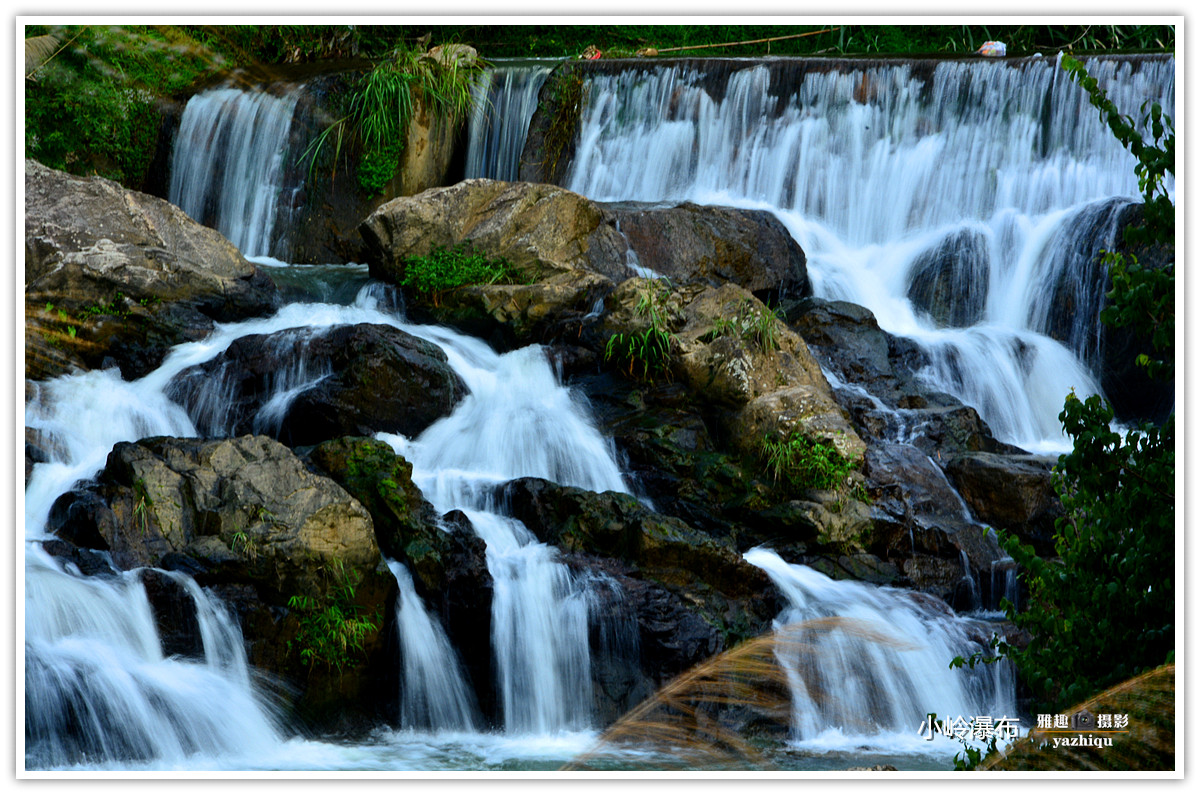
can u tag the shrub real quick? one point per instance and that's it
(333, 629)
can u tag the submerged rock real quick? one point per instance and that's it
(117, 277)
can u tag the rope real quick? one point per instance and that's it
(753, 41)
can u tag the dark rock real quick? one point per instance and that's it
(949, 282)
(175, 613)
(77, 517)
(89, 563)
(360, 380)
(113, 276)
(691, 243)
(732, 596)
(1015, 493)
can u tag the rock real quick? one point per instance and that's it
(246, 502)
(569, 250)
(691, 243)
(540, 229)
(113, 276)
(775, 388)
(360, 380)
(444, 555)
(175, 613)
(949, 281)
(246, 518)
(708, 574)
(1015, 493)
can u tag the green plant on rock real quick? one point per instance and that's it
(566, 102)
(333, 629)
(646, 354)
(384, 103)
(800, 463)
(447, 268)
(752, 323)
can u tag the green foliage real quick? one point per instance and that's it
(383, 104)
(801, 464)
(1103, 609)
(333, 629)
(91, 108)
(646, 354)
(446, 268)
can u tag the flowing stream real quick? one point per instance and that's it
(870, 169)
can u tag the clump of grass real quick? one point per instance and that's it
(800, 463)
(647, 353)
(447, 268)
(384, 103)
(752, 323)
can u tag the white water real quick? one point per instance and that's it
(228, 164)
(505, 101)
(518, 421)
(434, 693)
(879, 677)
(871, 168)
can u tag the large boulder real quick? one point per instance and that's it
(707, 570)
(113, 276)
(540, 229)
(351, 380)
(245, 518)
(569, 251)
(715, 245)
(949, 282)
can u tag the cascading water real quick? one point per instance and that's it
(505, 101)
(229, 162)
(518, 421)
(886, 670)
(876, 169)
(434, 693)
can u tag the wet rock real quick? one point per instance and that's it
(444, 555)
(351, 380)
(245, 516)
(949, 281)
(710, 573)
(175, 613)
(1015, 493)
(114, 277)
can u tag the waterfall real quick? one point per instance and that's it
(987, 173)
(505, 100)
(98, 688)
(434, 693)
(228, 165)
(518, 421)
(887, 670)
